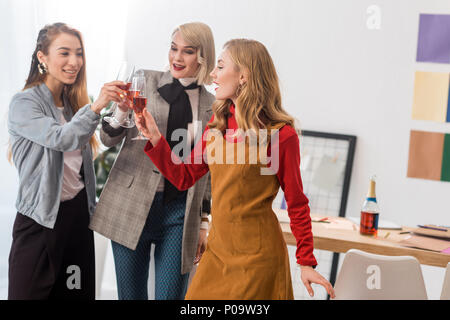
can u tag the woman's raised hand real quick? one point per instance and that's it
(109, 92)
(147, 126)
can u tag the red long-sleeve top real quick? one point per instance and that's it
(184, 175)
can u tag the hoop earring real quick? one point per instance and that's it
(42, 67)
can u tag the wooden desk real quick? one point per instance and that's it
(342, 240)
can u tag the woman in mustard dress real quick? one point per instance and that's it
(251, 149)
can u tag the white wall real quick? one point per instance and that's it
(336, 76)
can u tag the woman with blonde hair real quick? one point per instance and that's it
(51, 125)
(138, 207)
(246, 256)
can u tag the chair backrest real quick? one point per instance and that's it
(445, 294)
(367, 276)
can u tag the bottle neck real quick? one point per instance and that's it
(371, 192)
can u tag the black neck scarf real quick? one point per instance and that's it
(180, 114)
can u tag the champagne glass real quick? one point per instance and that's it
(125, 74)
(139, 92)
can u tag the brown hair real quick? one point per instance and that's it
(76, 93)
(258, 104)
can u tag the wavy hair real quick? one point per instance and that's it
(76, 93)
(258, 104)
(199, 35)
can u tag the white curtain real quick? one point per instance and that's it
(103, 24)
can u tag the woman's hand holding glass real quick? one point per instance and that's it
(125, 75)
(147, 126)
(124, 105)
(109, 92)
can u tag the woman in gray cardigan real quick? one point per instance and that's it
(138, 207)
(51, 125)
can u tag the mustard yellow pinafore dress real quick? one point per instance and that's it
(246, 256)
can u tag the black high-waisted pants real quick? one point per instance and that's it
(56, 263)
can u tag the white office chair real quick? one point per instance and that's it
(367, 276)
(445, 294)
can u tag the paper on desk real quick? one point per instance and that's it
(382, 224)
(432, 232)
(340, 224)
(426, 243)
(332, 222)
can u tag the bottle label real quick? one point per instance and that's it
(369, 223)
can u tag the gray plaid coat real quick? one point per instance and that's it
(131, 186)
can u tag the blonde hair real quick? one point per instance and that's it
(76, 93)
(199, 35)
(258, 104)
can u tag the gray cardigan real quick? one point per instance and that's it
(38, 142)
